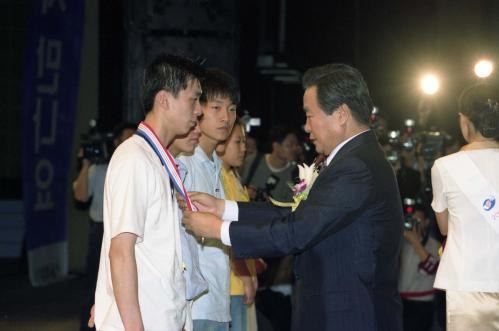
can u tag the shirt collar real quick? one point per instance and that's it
(182, 169)
(337, 148)
(200, 155)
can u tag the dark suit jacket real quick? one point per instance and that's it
(346, 238)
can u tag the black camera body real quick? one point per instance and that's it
(263, 194)
(432, 143)
(97, 145)
(409, 220)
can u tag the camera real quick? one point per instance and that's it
(408, 141)
(432, 143)
(263, 194)
(97, 145)
(393, 157)
(409, 221)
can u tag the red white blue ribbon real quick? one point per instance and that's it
(167, 160)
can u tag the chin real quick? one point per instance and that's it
(221, 137)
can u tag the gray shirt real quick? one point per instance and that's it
(283, 179)
(96, 178)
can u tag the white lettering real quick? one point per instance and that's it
(44, 174)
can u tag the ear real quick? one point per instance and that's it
(464, 124)
(275, 145)
(344, 114)
(162, 99)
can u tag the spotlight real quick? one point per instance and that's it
(430, 84)
(483, 68)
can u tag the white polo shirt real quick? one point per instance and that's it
(138, 199)
(470, 261)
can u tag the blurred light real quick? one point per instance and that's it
(483, 68)
(430, 84)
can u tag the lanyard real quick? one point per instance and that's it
(167, 161)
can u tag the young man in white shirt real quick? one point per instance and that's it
(211, 311)
(140, 284)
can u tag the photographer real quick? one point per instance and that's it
(419, 263)
(90, 185)
(270, 174)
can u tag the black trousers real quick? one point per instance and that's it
(96, 230)
(418, 315)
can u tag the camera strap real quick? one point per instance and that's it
(476, 188)
(166, 159)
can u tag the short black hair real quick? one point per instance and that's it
(339, 84)
(479, 102)
(422, 207)
(278, 133)
(167, 72)
(218, 83)
(122, 126)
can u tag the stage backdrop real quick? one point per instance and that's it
(51, 80)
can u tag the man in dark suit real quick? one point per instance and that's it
(346, 235)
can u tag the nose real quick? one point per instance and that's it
(225, 115)
(197, 129)
(197, 109)
(307, 126)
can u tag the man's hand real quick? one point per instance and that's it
(249, 290)
(208, 203)
(202, 224)
(91, 322)
(413, 236)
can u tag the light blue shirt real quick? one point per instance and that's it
(195, 284)
(203, 175)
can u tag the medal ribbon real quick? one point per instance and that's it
(167, 161)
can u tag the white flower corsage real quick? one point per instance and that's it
(307, 175)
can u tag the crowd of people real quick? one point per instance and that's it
(188, 239)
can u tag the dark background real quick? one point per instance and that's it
(391, 42)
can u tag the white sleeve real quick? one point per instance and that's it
(231, 211)
(126, 195)
(439, 203)
(224, 233)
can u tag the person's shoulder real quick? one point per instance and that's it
(186, 161)
(350, 165)
(133, 144)
(98, 167)
(447, 159)
(352, 160)
(131, 151)
(197, 157)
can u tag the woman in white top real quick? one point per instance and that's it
(465, 189)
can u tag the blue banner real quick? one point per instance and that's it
(51, 82)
